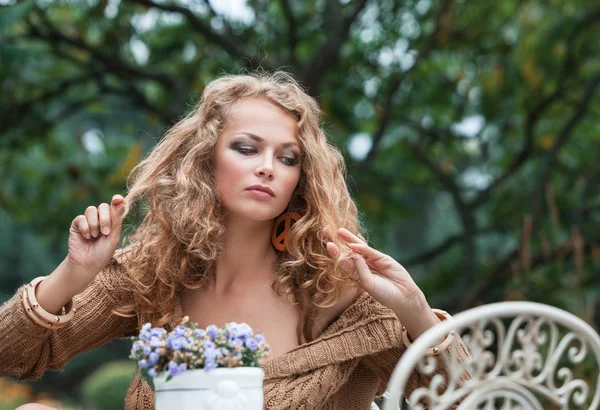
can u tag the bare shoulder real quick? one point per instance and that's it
(326, 316)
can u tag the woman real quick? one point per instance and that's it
(219, 194)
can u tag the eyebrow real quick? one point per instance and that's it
(260, 139)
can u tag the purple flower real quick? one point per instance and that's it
(153, 358)
(143, 364)
(179, 331)
(152, 372)
(181, 368)
(209, 345)
(244, 330)
(209, 365)
(211, 354)
(157, 332)
(260, 338)
(252, 344)
(199, 333)
(212, 331)
(176, 343)
(147, 350)
(146, 327)
(173, 368)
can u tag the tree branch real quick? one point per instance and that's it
(327, 56)
(292, 29)
(112, 62)
(395, 84)
(538, 110)
(503, 270)
(439, 249)
(200, 26)
(563, 136)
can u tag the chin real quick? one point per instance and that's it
(258, 215)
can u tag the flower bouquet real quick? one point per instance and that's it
(204, 369)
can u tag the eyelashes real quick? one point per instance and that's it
(245, 149)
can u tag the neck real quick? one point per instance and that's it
(248, 259)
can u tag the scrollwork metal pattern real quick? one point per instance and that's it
(531, 360)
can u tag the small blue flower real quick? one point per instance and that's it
(211, 354)
(143, 364)
(181, 368)
(147, 350)
(199, 333)
(157, 332)
(244, 330)
(155, 342)
(209, 345)
(152, 372)
(209, 365)
(173, 368)
(252, 344)
(179, 331)
(179, 343)
(260, 338)
(146, 327)
(212, 331)
(153, 358)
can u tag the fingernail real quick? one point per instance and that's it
(105, 230)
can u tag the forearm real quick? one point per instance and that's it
(61, 286)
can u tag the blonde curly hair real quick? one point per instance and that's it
(175, 246)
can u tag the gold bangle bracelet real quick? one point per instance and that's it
(56, 320)
(29, 311)
(433, 351)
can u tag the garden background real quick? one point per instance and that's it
(470, 129)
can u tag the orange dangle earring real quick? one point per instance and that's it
(281, 229)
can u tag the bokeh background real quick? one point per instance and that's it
(470, 129)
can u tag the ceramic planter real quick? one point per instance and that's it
(237, 388)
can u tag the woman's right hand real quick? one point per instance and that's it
(94, 236)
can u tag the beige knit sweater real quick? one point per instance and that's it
(345, 368)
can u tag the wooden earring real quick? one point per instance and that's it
(281, 229)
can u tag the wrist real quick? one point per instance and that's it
(72, 277)
(416, 315)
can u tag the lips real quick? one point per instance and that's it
(261, 188)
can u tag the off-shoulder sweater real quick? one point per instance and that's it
(346, 367)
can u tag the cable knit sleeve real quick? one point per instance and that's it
(27, 350)
(383, 363)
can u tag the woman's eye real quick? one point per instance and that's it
(289, 160)
(246, 150)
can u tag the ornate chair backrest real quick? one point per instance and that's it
(523, 355)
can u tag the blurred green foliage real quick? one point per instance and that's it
(106, 387)
(470, 128)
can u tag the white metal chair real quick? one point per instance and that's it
(523, 355)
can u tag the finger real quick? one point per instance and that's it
(375, 259)
(349, 236)
(104, 218)
(117, 209)
(346, 265)
(81, 226)
(364, 274)
(91, 214)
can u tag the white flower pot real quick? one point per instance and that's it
(237, 388)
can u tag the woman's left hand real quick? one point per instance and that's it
(379, 274)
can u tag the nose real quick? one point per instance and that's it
(265, 168)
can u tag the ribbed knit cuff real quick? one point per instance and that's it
(21, 322)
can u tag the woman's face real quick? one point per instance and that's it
(257, 160)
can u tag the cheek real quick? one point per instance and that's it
(226, 173)
(291, 182)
